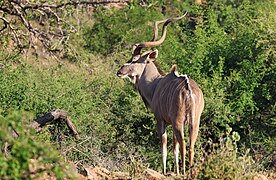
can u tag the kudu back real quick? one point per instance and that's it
(174, 99)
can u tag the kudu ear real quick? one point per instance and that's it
(152, 55)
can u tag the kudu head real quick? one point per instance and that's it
(134, 68)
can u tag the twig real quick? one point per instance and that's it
(82, 153)
(72, 3)
(68, 149)
(6, 22)
(8, 25)
(23, 11)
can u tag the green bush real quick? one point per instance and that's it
(98, 104)
(123, 28)
(225, 162)
(228, 47)
(17, 164)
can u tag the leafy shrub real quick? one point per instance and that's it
(226, 46)
(114, 29)
(225, 162)
(17, 164)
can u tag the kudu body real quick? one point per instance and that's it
(174, 99)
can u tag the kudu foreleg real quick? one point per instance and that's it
(162, 134)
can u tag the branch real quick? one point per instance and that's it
(6, 22)
(48, 118)
(7, 10)
(53, 117)
(17, 13)
(72, 3)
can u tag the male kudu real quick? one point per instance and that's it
(174, 99)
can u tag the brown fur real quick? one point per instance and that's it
(173, 68)
(175, 100)
(163, 73)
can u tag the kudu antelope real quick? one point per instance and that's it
(174, 99)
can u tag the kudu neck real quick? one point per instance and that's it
(148, 81)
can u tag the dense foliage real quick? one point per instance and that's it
(28, 157)
(228, 47)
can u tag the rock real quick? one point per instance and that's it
(81, 177)
(99, 173)
(120, 175)
(153, 175)
(259, 177)
(95, 173)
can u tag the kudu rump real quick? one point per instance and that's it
(174, 99)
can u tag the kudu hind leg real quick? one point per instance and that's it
(176, 153)
(193, 133)
(179, 134)
(162, 134)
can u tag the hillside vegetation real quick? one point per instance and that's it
(227, 46)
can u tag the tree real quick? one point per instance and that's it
(25, 23)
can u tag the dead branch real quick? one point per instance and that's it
(34, 15)
(73, 3)
(53, 117)
(48, 118)
(6, 22)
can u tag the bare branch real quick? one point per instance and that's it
(33, 17)
(73, 3)
(53, 117)
(6, 22)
